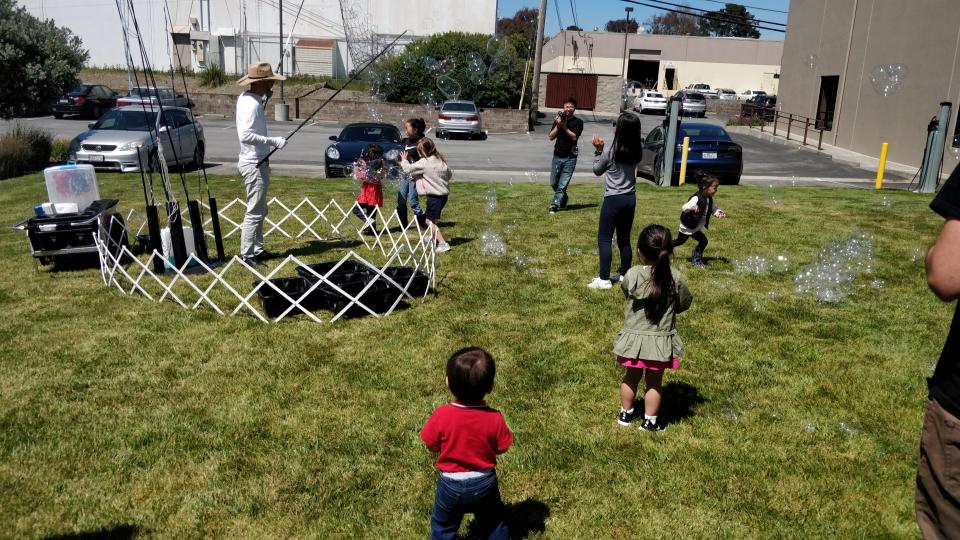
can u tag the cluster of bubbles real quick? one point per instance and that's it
(878, 283)
(772, 198)
(491, 244)
(476, 69)
(756, 264)
(887, 79)
(830, 279)
(916, 254)
(490, 203)
(847, 428)
(886, 202)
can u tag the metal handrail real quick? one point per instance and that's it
(766, 114)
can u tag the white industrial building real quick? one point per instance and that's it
(234, 33)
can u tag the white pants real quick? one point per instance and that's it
(256, 180)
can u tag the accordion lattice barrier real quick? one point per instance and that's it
(235, 287)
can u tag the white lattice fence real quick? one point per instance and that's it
(232, 288)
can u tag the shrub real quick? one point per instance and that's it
(746, 120)
(213, 76)
(60, 150)
(24, 149)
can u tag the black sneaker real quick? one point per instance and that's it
(626, 417)
(253, 262)
(647, 425)
(265, 256)
(553, 209)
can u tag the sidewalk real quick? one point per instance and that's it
(837, 154)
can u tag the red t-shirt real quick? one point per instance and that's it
(468, 437)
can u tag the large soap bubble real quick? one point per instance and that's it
(448, 86)
(430, 63)
(497, 46)
(428, 99)
(887, 79)
(446, 65)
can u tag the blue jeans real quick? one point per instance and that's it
(479, 496)
(407, 191)
(561, 171)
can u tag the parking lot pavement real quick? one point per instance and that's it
(510, 157)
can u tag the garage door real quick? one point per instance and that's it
(560, 86)
(314, 57)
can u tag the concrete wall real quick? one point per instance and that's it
(849, 38)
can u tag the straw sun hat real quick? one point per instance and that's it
(260, 71)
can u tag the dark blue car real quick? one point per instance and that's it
(711, 150)
(353, 140)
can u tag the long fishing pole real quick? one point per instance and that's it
(335, 94)
(153, 216)
(196, 215)
(174, 219)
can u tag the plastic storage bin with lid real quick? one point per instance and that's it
(74, 183)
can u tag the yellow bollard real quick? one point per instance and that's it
(683, 160)
(883, 164)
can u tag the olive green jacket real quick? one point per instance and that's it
(640, 338)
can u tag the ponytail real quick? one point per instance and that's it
(655, 244)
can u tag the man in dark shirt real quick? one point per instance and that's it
(566, 130)
(938, 467)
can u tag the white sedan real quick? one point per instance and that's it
(649, 100)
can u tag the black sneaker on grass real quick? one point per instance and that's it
(647, 425)
(625, 418)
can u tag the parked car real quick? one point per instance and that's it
(691, 103)
(748, 95)
(353, 140)
(702, 88)
(458, 116)
(112, 142)
(152, 94)
(711, 150)
(726, 94)
(764, 106)
(90, 100)
(650, 100)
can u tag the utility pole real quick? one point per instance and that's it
(626, 34)
(281, 50)
(537, 59)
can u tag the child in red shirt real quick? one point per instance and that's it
(468, 435)
(370, 170)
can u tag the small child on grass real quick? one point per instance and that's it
(468, 435)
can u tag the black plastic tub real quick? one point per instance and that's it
(347, 271)
(401, 274)
(296, 287)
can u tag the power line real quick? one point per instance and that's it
(781, 30)
(725, 16)
(750, 7)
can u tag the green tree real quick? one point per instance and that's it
(40, 60)
(574, 28)
(678, 24)
(623, 25)
(524, 21)
(499, 82)
(733, 20)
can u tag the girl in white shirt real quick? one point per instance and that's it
(695, 216)
(433, 180)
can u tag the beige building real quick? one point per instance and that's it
(573, 60)
(837, 60)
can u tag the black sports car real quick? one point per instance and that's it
(90, 100)
(353, 140)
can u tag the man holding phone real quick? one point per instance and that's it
(566, 130)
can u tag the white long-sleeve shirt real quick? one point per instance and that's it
(694, 201)
(252, 128)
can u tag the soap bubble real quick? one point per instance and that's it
(521, 261)
(409, 60)
(886, 202)
(878, 283)
(448, 86)
(916, 254)
(373, 113)
(751, 264)
(491, 244)
(446, 65)
(475, 71)
(955, 151)
(573, 250)
(490, 203)
(428, 99)
(394, 175)
(809, 427)
(392, 155)
(731, 413)
(431, 64)
(497, 46)
(887, 79)
(831, 277)
(846, 428)
(531, 176)
(812, 61)
(780, 263)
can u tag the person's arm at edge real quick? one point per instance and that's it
(943, 262)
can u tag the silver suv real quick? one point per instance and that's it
(692, 103)
(458, 116)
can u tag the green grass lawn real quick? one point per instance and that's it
(119, 412)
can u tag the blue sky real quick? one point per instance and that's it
(592, 13)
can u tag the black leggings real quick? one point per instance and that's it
(616, 214)
(698, 236)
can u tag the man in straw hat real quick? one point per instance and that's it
(254, 146)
